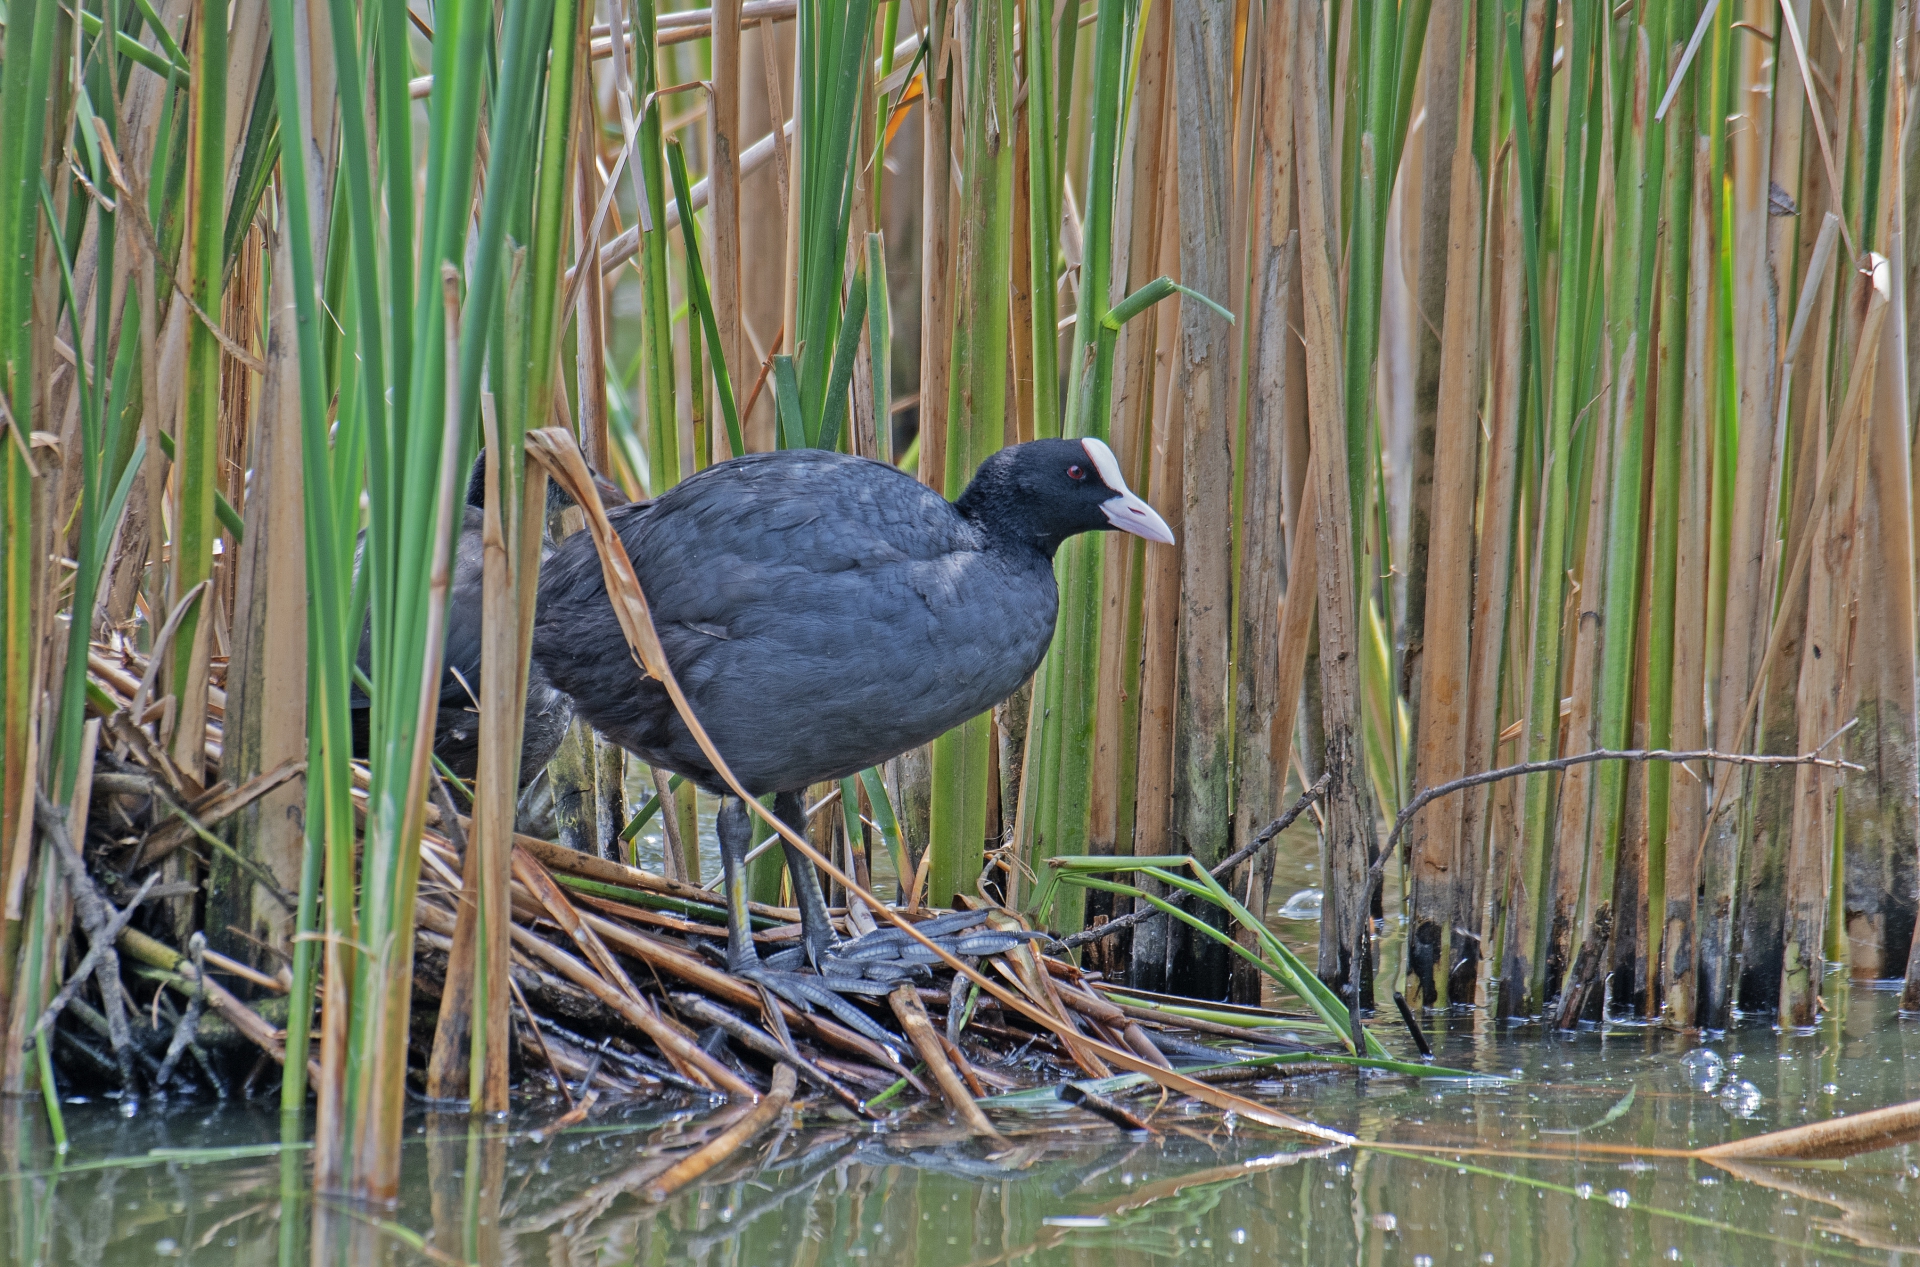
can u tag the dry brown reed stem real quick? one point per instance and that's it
(641, 1017)
(556, 446)
(1345, 940)
(1116, 1021)
(759, 1041)
(1443, 859)
(700, 1161)
(1687, 809)
(1022, 967)
(1100, 1106)
(1267, 685)
(1836, 1137)
(156, 845)
(535, 879)
(919, 1030)
(723, 178)
(1878, 298)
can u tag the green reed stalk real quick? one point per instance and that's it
(962, 758)
(656, 299)
(1048, 58)
(880, 335)
(25, 88)
(330, 825)
(1630, 278)
(702, 301)
(410, 475)
(1663, 595)
(1061, 743)
(828, 108)
(197, 442)
(101, 426)
(883, 107)
(492, 334)
(1524, 980)
(1377, 41)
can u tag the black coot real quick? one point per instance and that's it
(824, 613)
(456, 738)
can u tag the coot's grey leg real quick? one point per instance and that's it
(735, 828)
(816, 927)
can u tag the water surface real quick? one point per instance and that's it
(1525, 1175)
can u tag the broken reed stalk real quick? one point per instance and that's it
(691, 1167)
(919, 1030)
(1836, 1137)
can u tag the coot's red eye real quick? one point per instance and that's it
(1075, 473)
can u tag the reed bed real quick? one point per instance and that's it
(1527, 383)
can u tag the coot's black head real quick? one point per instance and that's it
(1045, 491)
(557, 499)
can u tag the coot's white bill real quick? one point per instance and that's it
(1127, 512)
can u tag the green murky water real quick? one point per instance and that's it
(1534, 1178)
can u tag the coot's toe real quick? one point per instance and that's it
(809, 992)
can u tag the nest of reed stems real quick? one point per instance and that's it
(618, 983)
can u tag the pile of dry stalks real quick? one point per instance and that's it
(618, 984)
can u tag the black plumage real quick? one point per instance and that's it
(824, 613)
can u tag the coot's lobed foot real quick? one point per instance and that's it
(809, 992)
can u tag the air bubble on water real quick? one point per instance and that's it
(1423, 1260)
(1384, 1222)
(1705, 1069)
(1830, 1089)
(166, 1247)
(1742, 1099)
(1584, 1191)
(1487, 1257)
(1673, 1253)
(1619, 1198)
(1238, 1236)
(726, 1215)
(1303, 905)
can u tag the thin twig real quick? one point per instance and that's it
(1223, 868)
(94, 951)
(189, 1027)
(96, 916)
(1432, 794)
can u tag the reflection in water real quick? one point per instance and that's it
(1528, 1171)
